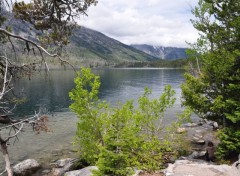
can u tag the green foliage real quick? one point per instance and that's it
(55, 18)
(118, 139)
(85, 104)
(230, 143)
(213, 90)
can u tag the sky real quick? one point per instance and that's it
(154, 22)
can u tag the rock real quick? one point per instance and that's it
(205, 120)
(210, 123)
(237, 163)
(87, 171)
(137, 172)
(26, 167)
(200, 142)
(46, 172)
(191, 124)
(62, 166)
(57, 172)
(199, 168)
(181, 130)
(196, 155)
(63, 162)
(215, 125)
(202, 153)
(198, 136)
(201, 122)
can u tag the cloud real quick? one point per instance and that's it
(157, 22)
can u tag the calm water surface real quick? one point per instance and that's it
(50, 93)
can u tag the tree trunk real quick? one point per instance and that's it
(6, 157)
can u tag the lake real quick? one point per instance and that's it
(50, 94)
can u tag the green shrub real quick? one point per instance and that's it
(119, 139)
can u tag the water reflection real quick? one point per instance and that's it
(51, 92)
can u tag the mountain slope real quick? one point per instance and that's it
(89, 43)
(168, 53)
(86, 45)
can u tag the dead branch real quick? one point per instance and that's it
(40, 48)
(3, 172)
(39, 123)
(5, 82)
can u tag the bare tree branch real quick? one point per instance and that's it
(40, 48)
(5, 81)
(3, 172)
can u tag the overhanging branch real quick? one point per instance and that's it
(40, 48)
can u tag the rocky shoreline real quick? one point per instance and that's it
(194, 164)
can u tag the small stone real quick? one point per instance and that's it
(56, 172)
(198, 136)
(194, 155)
(195, 138)
(46, 171)
(191, 125)
(205, 120)
(198, 131)
(181, 130)
(62, 162)
(200, 142)
(202, 153)
(210, 123)
(215, 125)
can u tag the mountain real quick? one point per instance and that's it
(167, 53)
(92, 48)
(91, 44)
(87, 46)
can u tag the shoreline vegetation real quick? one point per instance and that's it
(95, 63)
(58, 161)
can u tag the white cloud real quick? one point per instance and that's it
(158, 22)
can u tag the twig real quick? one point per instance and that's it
(19, 122)
(14, 135)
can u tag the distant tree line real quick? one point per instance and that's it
(179, 63)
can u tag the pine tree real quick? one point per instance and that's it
(213, 91)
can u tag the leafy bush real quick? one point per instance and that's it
(118, 139)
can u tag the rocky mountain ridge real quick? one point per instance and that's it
(167, 53)
(93, 48)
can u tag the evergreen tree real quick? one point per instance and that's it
(212, 89)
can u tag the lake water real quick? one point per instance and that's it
(50, 93)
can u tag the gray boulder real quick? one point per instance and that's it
(63, 165)
(197, 154)
(63, 162)
(87, 171)
(194, 168)
(26, 167)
